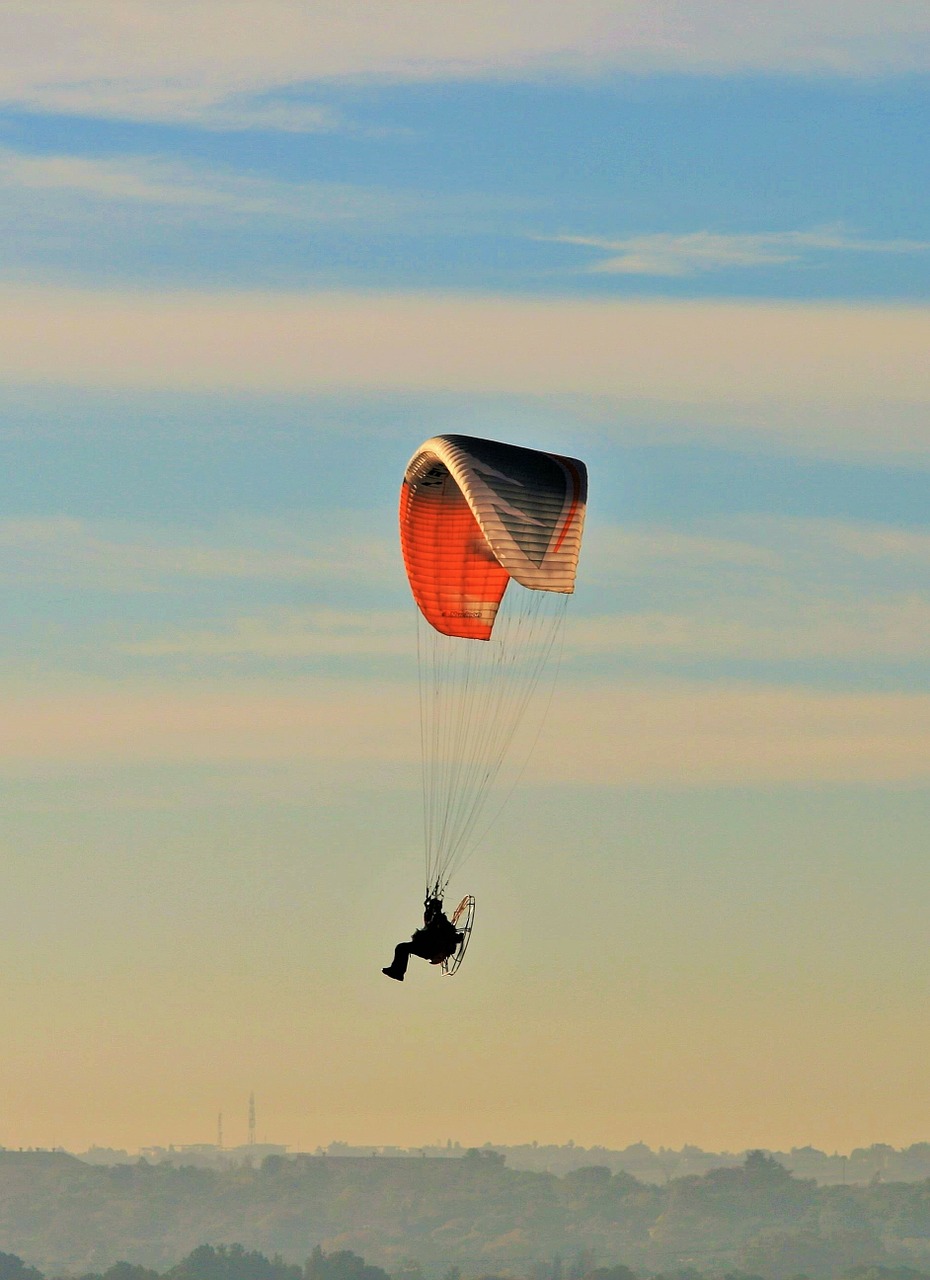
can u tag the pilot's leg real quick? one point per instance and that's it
(398, 966)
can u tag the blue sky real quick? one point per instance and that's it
(246, 269)
(818, 186)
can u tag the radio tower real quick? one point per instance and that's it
(251, 1119)
(219, 1131)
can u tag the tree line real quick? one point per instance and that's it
(420, 1219)
(220, 1262)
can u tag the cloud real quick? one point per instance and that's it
(232, 64)
(736, 735)
(192, 105)
(750, 590)
(143, 210)
(211, 192)
(83, 554)
(759, 545)
(759, 590)
(644, 550)
(756, 590)
(793, 629)
(292, 633)
(678, 735)
(703, 251)
(879, 543)
(843, 379)
(150, 725)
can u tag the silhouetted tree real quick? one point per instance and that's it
(13, 1268)
(129, 1271)
(231, 1262)
(761, 1168)
(883, 1273)
(619, 1272)
(122, 1271)
(581, 1265)
(409, 1269)
(485, 1155)
(342, 1265)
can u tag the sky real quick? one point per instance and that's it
(251, 256)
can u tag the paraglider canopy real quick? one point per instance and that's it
(479, 518)
(475, 514)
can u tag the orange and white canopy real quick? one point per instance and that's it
(475, 513)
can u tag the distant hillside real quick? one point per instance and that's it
(862, 1165)
(62, 1215)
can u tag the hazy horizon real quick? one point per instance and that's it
(336, 1146)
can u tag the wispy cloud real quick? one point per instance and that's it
(100, 725)
(81, 554)
(880, 543)
(807, 377)
(729, 594)
(194, 104)
(791, 629)
(757, 545)
(172, 185)
(57, 212)
(733, 590)
(623, 735)
(291, 633)
(611, 552)
(693, 735)
(703, 251)
(224, 63)
(759, 590)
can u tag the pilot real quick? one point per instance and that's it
(436, 941)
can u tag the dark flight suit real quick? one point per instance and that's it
(435, 942)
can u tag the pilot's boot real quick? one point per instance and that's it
(398, 966)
